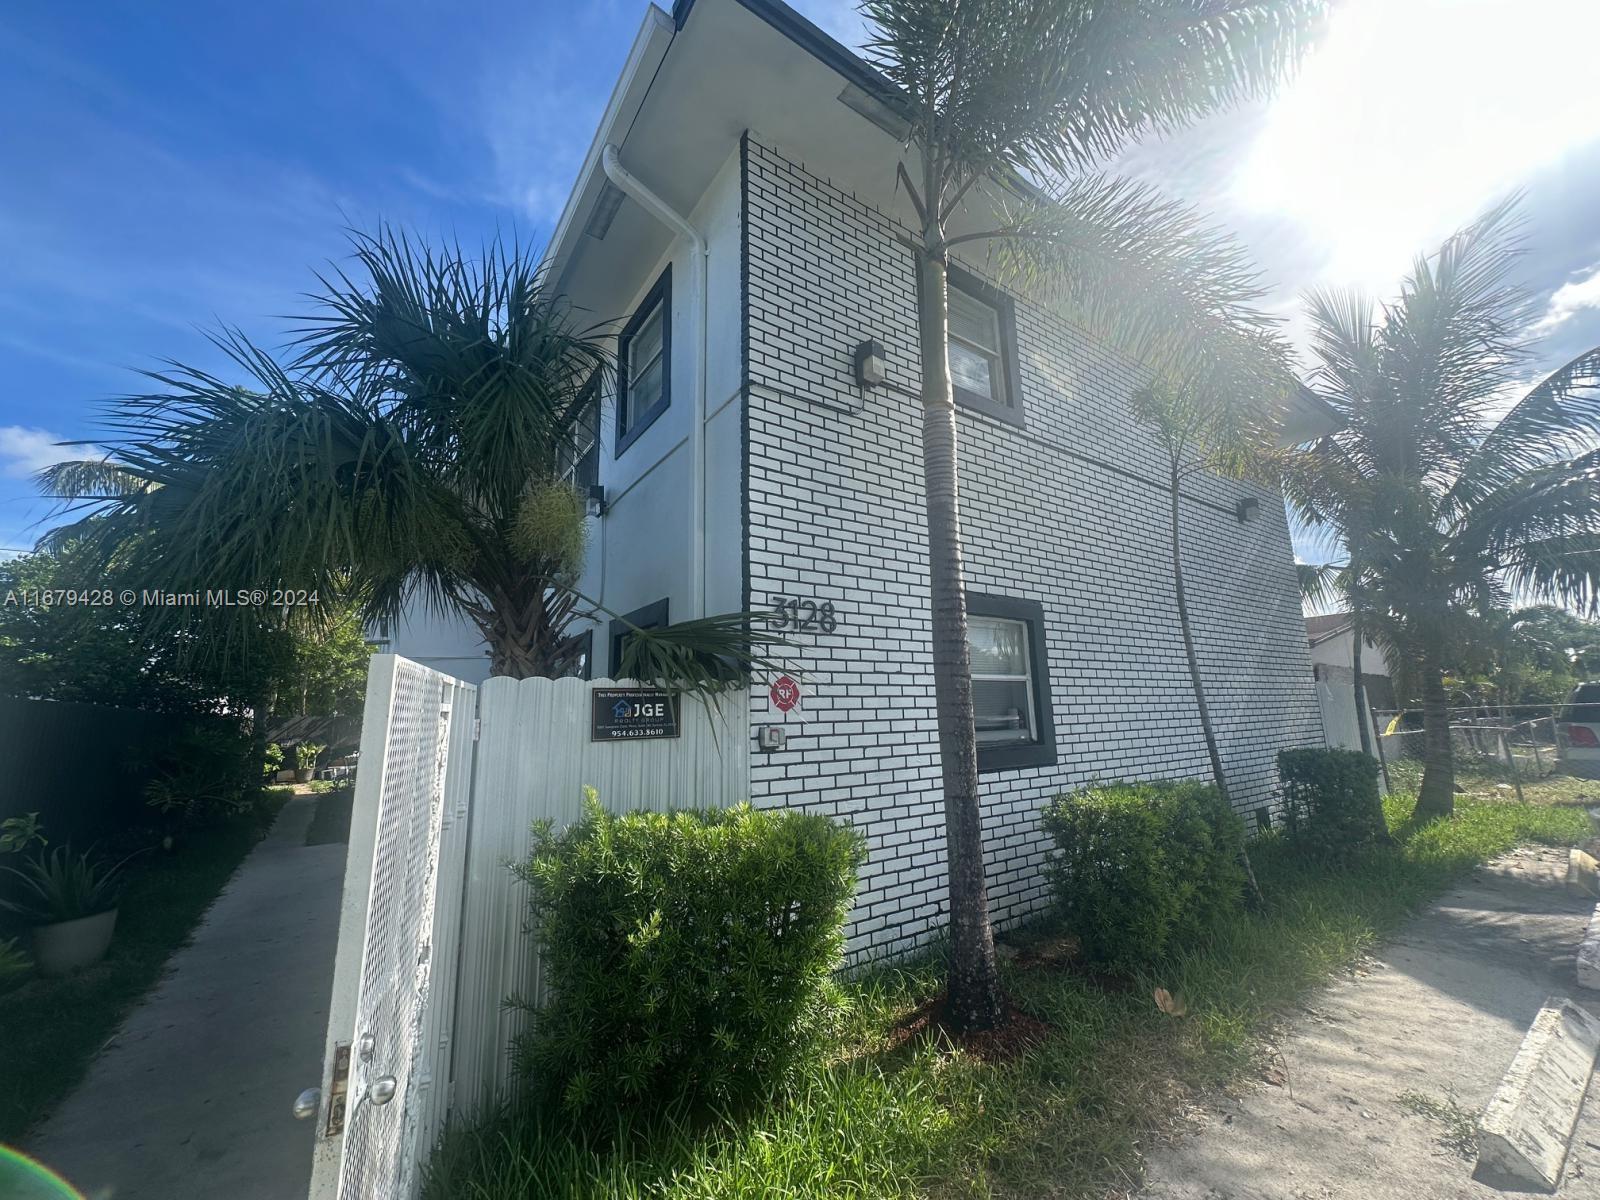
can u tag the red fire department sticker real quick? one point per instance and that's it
(785, 693)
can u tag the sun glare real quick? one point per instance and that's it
(1413, 115)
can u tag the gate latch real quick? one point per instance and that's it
(338, 1089)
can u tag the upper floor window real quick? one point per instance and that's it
(1010, 683)
(644, 363)
(983, 347)
(579, 461)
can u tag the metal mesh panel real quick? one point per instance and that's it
(379, 1159)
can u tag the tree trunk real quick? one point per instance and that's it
(1437, 797)
(1363, 723)
(1252, 888)
(1360, 686)
(974, 1001)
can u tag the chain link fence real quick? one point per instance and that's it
(1513, 743)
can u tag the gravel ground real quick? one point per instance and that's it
(1370, 1092)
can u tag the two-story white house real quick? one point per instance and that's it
(737, 215)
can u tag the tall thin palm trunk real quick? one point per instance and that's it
(974, 1000)
(1437, 795)
(1362, 723)
(1253, 893)
(1363, 716)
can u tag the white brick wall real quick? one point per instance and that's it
(835, 513)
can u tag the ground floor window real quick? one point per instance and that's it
(1010, 682)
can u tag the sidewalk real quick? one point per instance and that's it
(192, 1096)
(1429, 1026)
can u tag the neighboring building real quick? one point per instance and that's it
(1332, 642)
(743, 467)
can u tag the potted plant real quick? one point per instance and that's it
(71, 902)
(305, 761)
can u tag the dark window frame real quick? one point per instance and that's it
(587, 639)
(1010, 367)
(584, 469)
(1040, 753)
(659, 293)
(648, 616)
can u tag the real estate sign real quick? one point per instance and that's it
(622, 714)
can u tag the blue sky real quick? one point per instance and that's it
(171, 165)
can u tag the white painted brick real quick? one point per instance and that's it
(835, 513)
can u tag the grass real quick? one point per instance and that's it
(1485, 779)
(1068, 1119)
(51, 1029)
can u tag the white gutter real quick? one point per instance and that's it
(670, 217)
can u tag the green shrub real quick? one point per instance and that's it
(272, 761)
(1143, 868)
(689, 955)
(1331, 806)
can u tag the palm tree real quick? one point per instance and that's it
(1011, 105)
(1229, 435)
(1460, 512)
(410, 453)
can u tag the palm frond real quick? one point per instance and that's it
(1052, 86)
(1150, 277)
(701, 657)
(1558, 418)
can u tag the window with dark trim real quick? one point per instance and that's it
(579, 461)
(651, 616)
(983, 347)
(1010, 683)
(644, 363)
(584, 667)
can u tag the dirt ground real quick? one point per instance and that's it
(1373, 1091)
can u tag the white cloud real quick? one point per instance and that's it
(24, 451)
(1569, 300)
(1413, 116)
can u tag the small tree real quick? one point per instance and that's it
(1230, 435)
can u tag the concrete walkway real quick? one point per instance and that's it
(193, 1095)
(1431, 1024)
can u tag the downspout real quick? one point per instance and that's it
(698, 304)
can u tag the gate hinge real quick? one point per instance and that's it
(338, 1087)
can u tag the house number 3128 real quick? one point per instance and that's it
(803, 615)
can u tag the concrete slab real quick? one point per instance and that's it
(1583, 872)
(192, 1096)
(1589, 954)
(1368, 1091)
(1523, 1133)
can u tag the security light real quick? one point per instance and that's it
(1247, 510)
(872, 366)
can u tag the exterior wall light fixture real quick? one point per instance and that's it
(1247, 510)
(872, 365)
(594, 504)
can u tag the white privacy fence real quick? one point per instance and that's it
(432, 936)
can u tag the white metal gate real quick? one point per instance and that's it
(438, 814)
(385, 1074)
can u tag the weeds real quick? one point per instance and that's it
(885, 1117)
(1460, 1126)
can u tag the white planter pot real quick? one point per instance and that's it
(71, 945)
